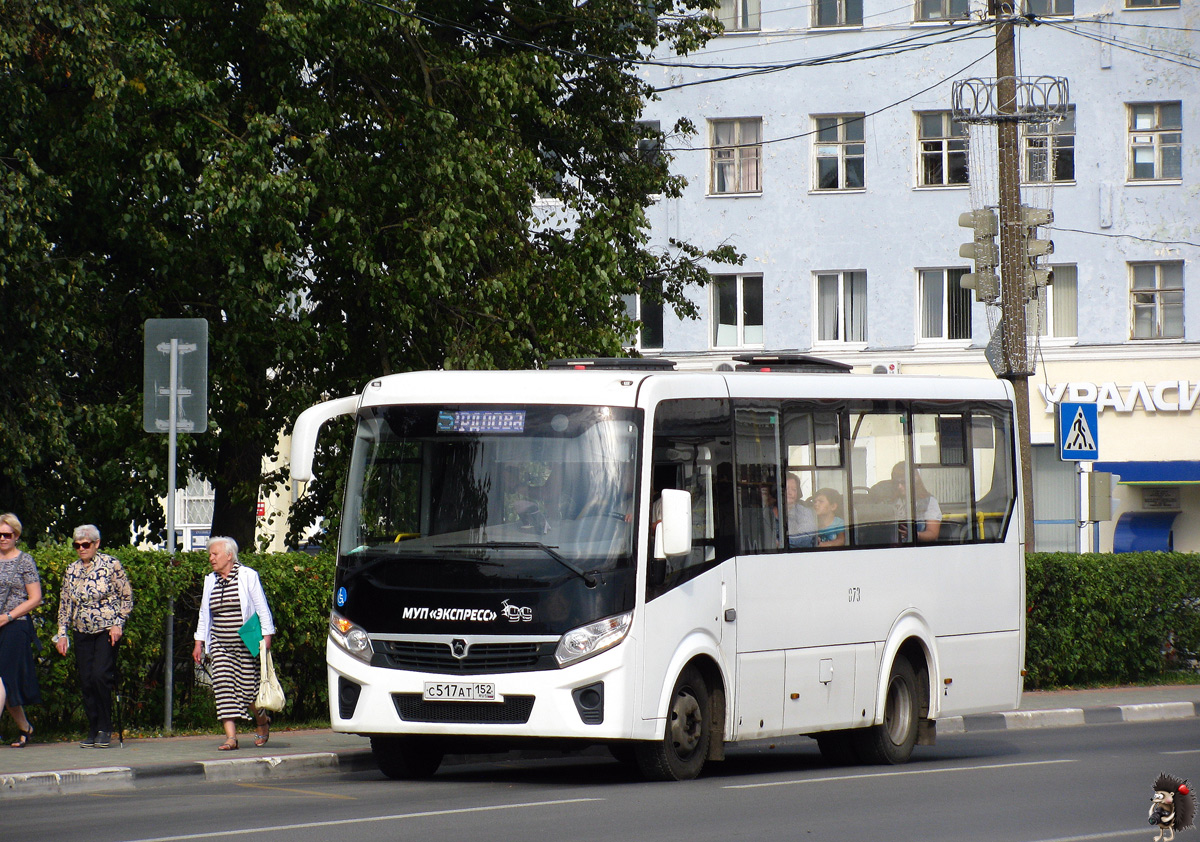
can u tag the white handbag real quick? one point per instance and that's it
(270, 691)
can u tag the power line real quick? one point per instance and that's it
(899, 102)
(897, 47)
(1140, 49)
(1126, 24)
(1150, 240)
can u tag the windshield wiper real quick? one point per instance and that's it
(588, 578)
(415, 555)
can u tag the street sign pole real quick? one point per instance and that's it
(172, 425)
(168, 342)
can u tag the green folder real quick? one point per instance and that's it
(251, 634)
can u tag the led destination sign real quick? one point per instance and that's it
(481, 421)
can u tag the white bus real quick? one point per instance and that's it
(614, 552)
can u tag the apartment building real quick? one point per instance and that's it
(828, 152)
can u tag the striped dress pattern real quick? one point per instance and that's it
(234, 670)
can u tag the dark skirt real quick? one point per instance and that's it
(17, 669)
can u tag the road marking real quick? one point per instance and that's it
(836, 778)
(248, 831)
(1183, 751)
(300, 791)
(1116, 834)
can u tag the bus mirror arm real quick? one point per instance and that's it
(304, 436)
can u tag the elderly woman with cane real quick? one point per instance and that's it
(233, 594)
(93, 607)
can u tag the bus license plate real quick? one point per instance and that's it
(457, 691)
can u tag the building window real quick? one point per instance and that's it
(837, 13)
(1050, 150)
(1057, 305)
(738, 15)
(1157, 300)
(1045, 8)
(841, 307)
(736, 155)
(1155, 141)
(1151, 4)
(840, 153)
(650, 314)
(737, 310)
(945, 305)
(943, 149)
(942, 9)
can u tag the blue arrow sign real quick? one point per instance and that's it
(1078, 432)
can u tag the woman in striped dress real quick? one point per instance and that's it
(232, 595)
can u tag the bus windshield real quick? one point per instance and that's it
(548, 486)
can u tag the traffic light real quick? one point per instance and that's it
(984, 251)
(1033, 248)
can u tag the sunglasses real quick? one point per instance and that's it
(82, 545)
(7, 534)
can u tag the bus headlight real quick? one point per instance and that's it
(586, 641)
(350, 637)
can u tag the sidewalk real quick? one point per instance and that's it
(61, 768)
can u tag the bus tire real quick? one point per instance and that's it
(892, 741)
(406, 758)
(837, 747)
(680, 754)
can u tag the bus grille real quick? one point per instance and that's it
(422, 656)
(514, 710)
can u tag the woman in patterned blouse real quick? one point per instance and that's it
(94, 604)
(20, 593)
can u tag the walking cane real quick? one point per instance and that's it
(117, 688)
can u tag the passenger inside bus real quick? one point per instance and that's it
(831, 528)
(927, 514)
(801, 522)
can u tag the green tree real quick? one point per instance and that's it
(341, 188)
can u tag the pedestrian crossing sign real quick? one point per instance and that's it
(1078, 433)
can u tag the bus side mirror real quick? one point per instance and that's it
(674, 535)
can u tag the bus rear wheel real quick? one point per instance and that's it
(680, 754)
(892, 741)
(406, 758)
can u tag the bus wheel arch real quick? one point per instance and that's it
(903, 706)
(694, 730)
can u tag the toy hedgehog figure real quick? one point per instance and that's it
(1172, 808)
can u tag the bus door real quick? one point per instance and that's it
(687, 597)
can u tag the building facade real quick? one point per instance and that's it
(827, 152)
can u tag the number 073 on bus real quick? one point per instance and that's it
(664, 562)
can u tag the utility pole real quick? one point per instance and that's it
(1013, 288)
(1006, 102)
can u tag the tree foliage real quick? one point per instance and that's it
(341, 188)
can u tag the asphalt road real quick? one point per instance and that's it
(1043, 785)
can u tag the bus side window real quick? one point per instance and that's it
(879, 443)
(814, 461)
(692, 452)
(760, 488)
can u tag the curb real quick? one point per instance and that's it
(111, 778)
(1021, 720)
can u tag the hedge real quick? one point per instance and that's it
(298, 588)
(1092, 619)
(1110, 619)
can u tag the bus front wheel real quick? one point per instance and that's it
(680, 754)
(892, 741)
(406, 758)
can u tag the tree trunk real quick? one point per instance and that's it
(237, 482)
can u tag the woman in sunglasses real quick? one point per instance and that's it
(20, 593)
(94, 604)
